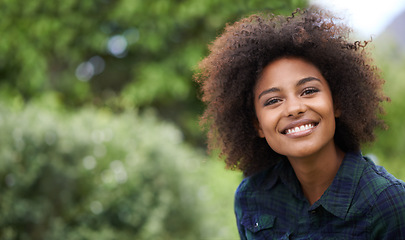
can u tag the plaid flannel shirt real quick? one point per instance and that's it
(364, 201)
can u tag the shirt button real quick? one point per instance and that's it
(256, 225)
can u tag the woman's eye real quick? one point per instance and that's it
(309, 91)
(271, 101)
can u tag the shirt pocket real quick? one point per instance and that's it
(258, 222)
(262, 226)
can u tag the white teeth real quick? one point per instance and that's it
(300, 128)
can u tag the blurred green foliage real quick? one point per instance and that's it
(98, 175)
(125, 52)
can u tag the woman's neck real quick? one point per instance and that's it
(316, 173)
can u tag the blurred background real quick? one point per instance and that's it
(99, 117)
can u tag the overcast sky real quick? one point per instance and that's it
(366, 17)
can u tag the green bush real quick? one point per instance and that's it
(95, 175)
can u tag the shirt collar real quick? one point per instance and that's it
(338, 197)
(284, 172)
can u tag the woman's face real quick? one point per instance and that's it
(294, 108)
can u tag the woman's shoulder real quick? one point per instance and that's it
(377, 185)
(262, 180)
(252, 183)
(378, 178)
(385, 195)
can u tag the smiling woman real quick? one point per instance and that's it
(290, 101)
(295, 111)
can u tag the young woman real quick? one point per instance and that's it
(289, 101)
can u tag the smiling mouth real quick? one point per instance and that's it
(300, 128)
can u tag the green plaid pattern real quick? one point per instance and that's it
(364, 201)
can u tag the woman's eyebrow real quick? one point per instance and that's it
(299, 83)
(307, 79)
(270, 90)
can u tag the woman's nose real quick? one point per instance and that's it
(295, 107)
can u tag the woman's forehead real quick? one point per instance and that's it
(288, 70)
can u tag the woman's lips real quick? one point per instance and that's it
(299, 127)
(301, 131)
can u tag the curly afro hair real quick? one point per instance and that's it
(237, 57)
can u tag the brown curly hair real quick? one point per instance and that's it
(237, 57)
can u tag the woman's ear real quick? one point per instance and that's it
(337, 113)
(336, 110)
(258, 128)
